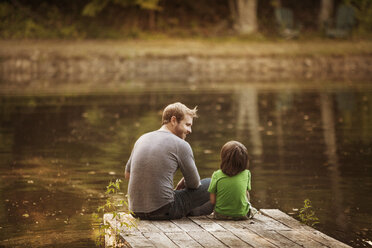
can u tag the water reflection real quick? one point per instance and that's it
(329, 134)
(58, 152)
(248, 118)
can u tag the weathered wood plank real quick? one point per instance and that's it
(207, 224)
(244, 233)
(311, 232)
(130, 235)
(187, 225)
(253, 239)
(272, 229)
(232, 226)
(137, 225)
(205, 239)
(275, 238)
(159, 240)
(300, 238)
(125, 223)
(110, 239)
(116, 226)
(183, 239)
(270, 223)
(166, 226)
(137, 240)
(147, 226)
(258, 223)
(229, 239)
(326, 240)
(284, 218)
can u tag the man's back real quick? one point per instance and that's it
(155, 159)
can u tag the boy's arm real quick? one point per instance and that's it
(248, 196)
(212, 198)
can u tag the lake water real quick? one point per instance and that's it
(58, 151)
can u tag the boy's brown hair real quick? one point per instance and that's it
(234, 158)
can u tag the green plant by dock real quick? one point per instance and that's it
(307, 214)
(115, 206)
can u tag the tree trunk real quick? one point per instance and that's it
(244, 14)
(151, 19)
(326, 7)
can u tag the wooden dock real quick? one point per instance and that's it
(268, 228)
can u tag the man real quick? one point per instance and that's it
(154, 160)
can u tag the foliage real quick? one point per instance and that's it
(307, 214)
(22, 22)
(120, 19)
(363, 10)
(96, 6)
(113, 205)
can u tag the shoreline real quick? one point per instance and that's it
(183, 61)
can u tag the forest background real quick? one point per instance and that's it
(142, 19)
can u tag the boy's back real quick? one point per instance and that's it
(231, 197)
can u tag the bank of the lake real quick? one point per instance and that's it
(184, 60)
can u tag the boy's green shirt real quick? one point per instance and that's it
(231, 197)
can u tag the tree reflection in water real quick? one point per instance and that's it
(58, 152)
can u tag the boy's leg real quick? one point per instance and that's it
(192, 201)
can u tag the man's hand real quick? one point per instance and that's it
(181, 184)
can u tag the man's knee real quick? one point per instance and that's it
(203, 189)
(205, 183)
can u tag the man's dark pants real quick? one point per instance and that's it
(187, 202)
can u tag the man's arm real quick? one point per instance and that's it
(127, 167)
(188, 167)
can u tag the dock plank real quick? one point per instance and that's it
(253, 239)
(166, 226)
(300, 238)
(229, 239)
(160, 240)
(245, 234)
(186, 225)
(277, 239)
(205, 239)
(147, 226)
(311, 232)
(120, 226)
(207, 224)
(266, 222)
(137, 240)
(269, 228)
(232, 226)
(183, 240)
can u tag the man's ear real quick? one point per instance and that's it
(173, 120)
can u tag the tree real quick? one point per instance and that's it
(363, 12)
(326, 7)
(96, 6)
(244, 15)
